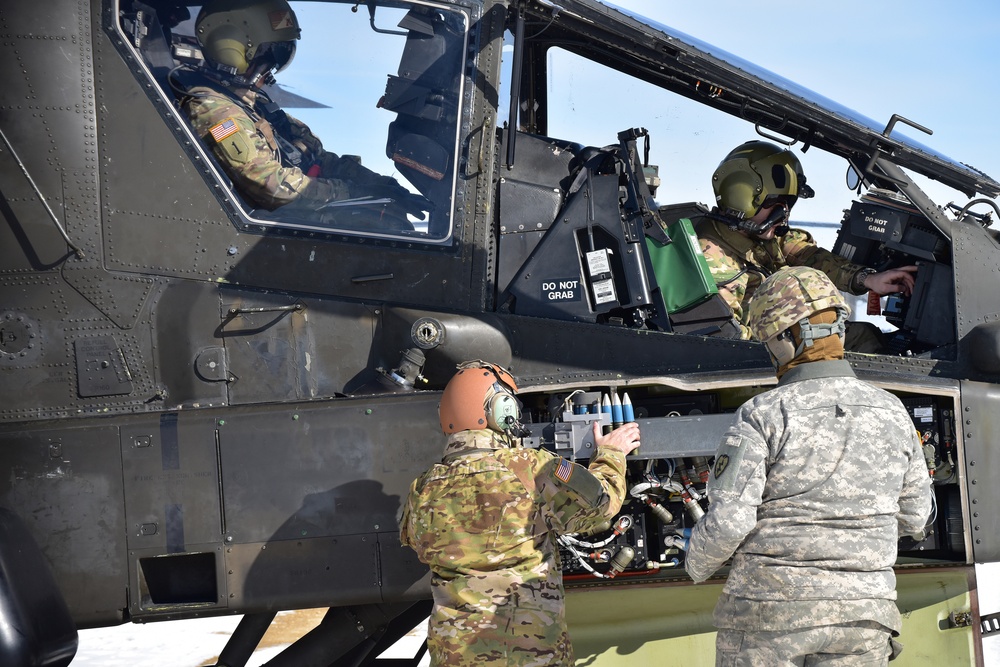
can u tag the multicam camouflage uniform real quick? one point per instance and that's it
(812, 485)
(739, 263)
(233, 125)
(485, 520)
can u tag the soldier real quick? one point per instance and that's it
(746, 237)
(273, 158)
(485, 519)
(795, 496)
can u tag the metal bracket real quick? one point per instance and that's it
(878, 150)
(989, 624)
(959, 619)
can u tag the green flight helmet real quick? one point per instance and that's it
(756, 174)
(249, 38)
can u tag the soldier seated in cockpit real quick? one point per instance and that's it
(273, 159)
(746, 237)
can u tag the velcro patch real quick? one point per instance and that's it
(564, 471)
(728, 460)
(224, 129)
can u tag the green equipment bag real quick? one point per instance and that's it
(680, 268)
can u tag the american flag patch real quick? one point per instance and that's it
(564, 471)
(224, 129)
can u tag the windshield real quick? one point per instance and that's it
(357, 134)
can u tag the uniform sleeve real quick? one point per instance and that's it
(575, 498)
(405, 515)
(735, 490)
(245, 155)
(332, 166)
(915, 499)
(801, 250)
(726, 274)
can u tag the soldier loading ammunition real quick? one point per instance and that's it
(486, 519)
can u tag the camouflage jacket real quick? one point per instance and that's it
(486, 521)
(249, 148)
(739, 263)
(811, 488)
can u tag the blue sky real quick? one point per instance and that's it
(929, 61)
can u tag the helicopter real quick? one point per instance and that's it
(213, 408)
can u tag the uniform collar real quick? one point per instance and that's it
(475, 439)
(818, 369)
(231, 87)
(743, 245)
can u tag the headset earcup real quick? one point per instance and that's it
(501, 411)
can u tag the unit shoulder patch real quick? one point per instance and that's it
(721, 463)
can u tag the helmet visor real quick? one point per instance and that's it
(274, 56)
(788, 201)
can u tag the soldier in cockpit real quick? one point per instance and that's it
(746, 237)
(273, 159)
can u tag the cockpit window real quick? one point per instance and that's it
(322, 117)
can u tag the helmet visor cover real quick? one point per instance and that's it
(276, 56)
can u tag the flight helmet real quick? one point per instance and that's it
(481, 396)
(755, 175)
(250, 39)
(792, 295)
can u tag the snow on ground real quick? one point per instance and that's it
(198, 642)
(988, 582)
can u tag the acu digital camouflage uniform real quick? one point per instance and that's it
(485, 520)
(812, 485)
(233, 123)
(740, 263)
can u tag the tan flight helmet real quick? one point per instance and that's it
(481, 396)
(754, 175)
(790, 296)
(249, 38)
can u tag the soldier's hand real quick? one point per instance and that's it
(624, 439)
(892, 280)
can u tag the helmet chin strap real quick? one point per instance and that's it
(811, 331)
(782, 348)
